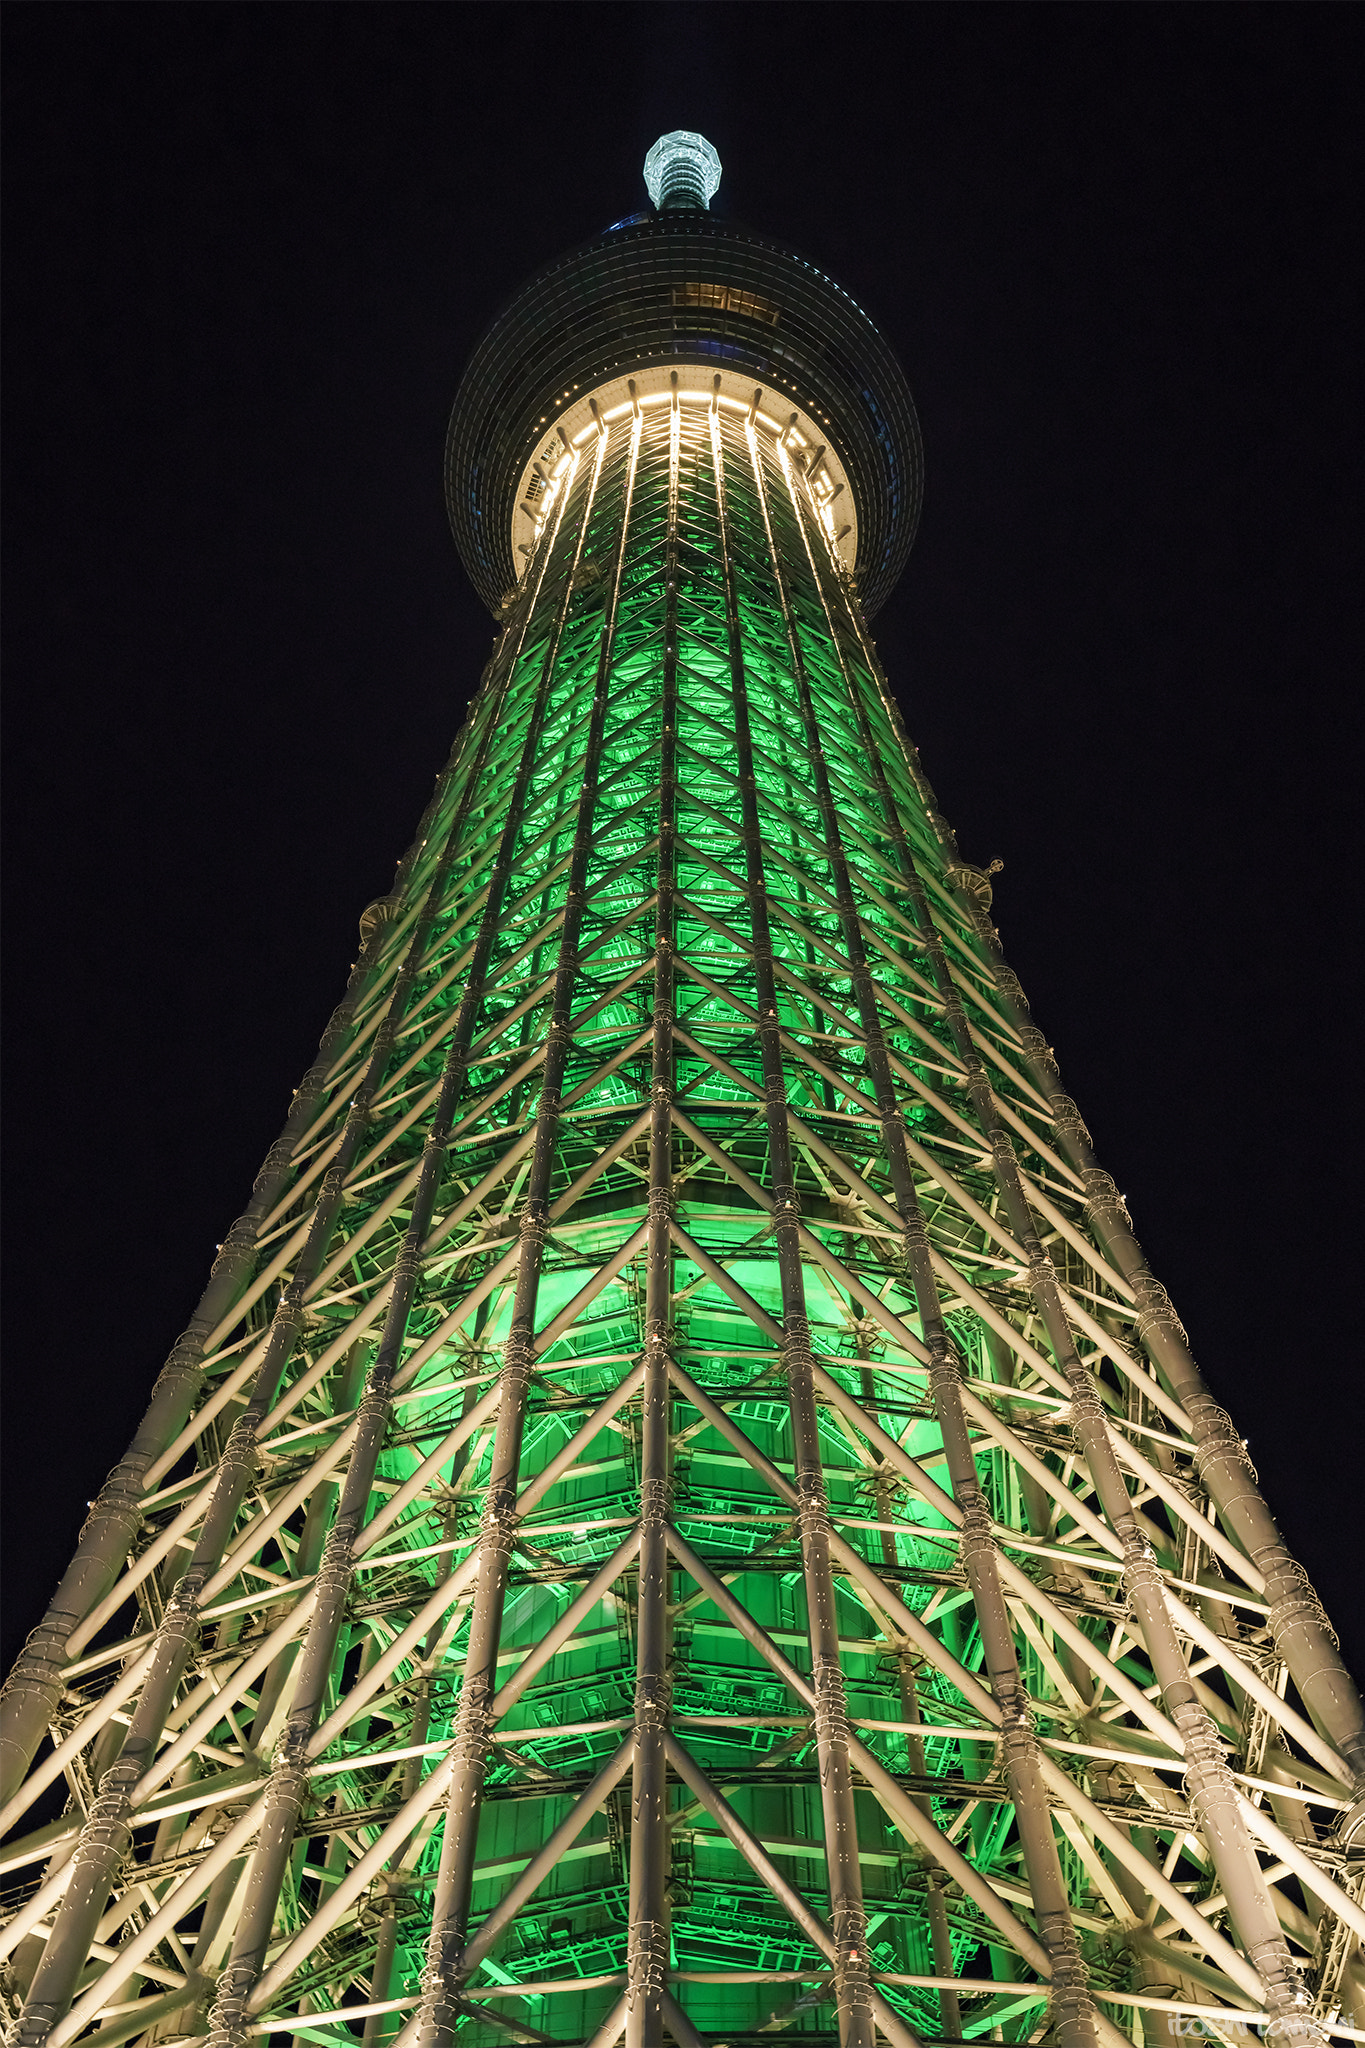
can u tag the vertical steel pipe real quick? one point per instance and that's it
(648, 1940)
(847, 1912)
(434, 2023)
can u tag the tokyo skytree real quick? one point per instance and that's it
(683, 1513)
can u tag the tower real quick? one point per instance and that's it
(682, 1512)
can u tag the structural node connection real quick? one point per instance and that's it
(683, 1513)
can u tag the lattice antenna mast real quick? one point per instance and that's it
(683, 1513)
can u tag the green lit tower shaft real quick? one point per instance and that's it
(683, 1513)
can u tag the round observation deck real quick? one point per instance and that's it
(677, 287)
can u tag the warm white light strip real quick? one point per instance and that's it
(1241, 2017)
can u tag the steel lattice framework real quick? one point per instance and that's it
(683, 1512)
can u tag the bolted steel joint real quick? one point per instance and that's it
(915, 1231)
(1002, 1152)
(1104, 1205)
(796, 1334)
(1038, 1049)
(473, 1730)
(438, 2011)
(812, 1509)
(653, 1705)
(1069, 1121)
(646, 1962)
(374, 1402)
(1141, 1573)
(119, 1502)
(1087, 1409)
(180, 1622)
(1294, 1602)
(107, 1834)
(656, 1501)
(289, 1765)
(183, 1367)
(334, 1570)
(1216, 1440)
(278, 1160)
(810, 1491)
(1073, 2008)
(1040, 1265)
(974, 1070)
(1295, 2028)
(407, 1269)
(333, 1186)
(945, 1367)
(228, 2017)
(435, 1981)
(39, 1665)
(831, 1706)
(1209, 1784)
(498, 1522)
(240, 1241)
(1018, 1737)
(1156, 1313)
(240, 1459)
(36, 2024)
(535, 1224)
(851, 1974)
(1293, 2022)
(942, 829)
(1011, 990)
(798, 1366)
(849, 1922)
(517, 1355)
(976, 1538)
(1010, 986)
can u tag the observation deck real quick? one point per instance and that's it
(674, 287)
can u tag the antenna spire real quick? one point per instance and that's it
(682, 172)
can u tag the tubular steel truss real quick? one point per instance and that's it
(683, 1512)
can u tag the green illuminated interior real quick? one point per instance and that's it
(570, 1720)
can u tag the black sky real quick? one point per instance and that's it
(249, 249)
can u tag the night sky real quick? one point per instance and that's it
(249, 250)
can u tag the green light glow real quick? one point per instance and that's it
(569, 1721)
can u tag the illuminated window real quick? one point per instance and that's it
(725, 298)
